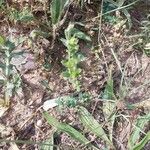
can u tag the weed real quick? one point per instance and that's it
(11, 80)
(139, 125)
(69, 130)
(73, 58)
(72, 72)
(73, 101)
(9, 77)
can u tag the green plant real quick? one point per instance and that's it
(143, 41)
(73, 57)
(88, 122)
(110, 103)
(24, 15)
(110, 6)
(68, 130)
(9, 77)
(146, 35)
(107, 6)
(73, 101)
(137, 130)
(57, 8)
(143, 142)
(92, 125)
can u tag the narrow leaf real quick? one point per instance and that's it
(128, 16)
(16, 54)
(109, 89)
(48, 144)
(2, 40)
(67, 129)
(79, 34)
(90, 123)
(2, 66)
(142, 143)
(139, 125)
(120, 3)
(57, 8)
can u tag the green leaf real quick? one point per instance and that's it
(83, 36)
(16, 54)
(67, 129)
(112, 2)
(73, 32)
(90, 123)
(139, 125)
(142, 143)
(2, 40)
(120, 3)
(108, 92)
(79, 34)
(128, 16)
(10, 45)
(36, 33)
(109, 89)
(66, 74)
(49, 144)
(57, 8)
(64, 41)
(26, 18)
(110, 115)
(2, 79)
(2, 66)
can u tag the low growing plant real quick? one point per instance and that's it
(73, 58)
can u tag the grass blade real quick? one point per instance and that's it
(67, 129)
(55, 11)
(140, 123)
(91, 124)
(48, 144)
(128, 16)
(57, 8)
(109, 89)
(142, 143)
(2, 40)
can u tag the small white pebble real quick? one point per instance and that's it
(39, 123)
